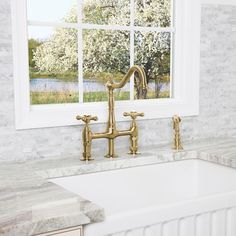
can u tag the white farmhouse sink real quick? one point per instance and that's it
(127, 192)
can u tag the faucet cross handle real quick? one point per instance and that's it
(87, 136)
(133, 114)
(87, 118)
(134, 131)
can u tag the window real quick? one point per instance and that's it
(75, 49)
(64, 56)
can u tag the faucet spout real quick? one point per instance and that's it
(132, 70)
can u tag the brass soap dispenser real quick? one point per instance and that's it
(177, 139)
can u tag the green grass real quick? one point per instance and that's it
(102, 96)
(152, 95)
(73, 97)
(71, 76)
(67, 76)
(53, 97)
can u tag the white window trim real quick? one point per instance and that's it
(185, 86)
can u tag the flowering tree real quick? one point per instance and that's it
(108, 50)
(59, 53)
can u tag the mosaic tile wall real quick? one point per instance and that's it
(217, 96)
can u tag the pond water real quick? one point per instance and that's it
(57, 85)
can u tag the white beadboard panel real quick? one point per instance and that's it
(219, 223)
(153, 230)
(136, 232)
(171, 228)
(224, 2)
(231, 222)
(119, 234)
(215, 223)
(187, 226)
(203, 225)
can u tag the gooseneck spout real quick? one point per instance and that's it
(132, 70)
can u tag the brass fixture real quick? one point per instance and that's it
(134, 129)
(177, 140)
(87, 136)
(111, 131)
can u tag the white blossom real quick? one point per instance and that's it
(109, 50)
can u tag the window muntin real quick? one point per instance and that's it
(104, 47)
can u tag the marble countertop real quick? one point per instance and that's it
(30, 205)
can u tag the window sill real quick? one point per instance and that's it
(63, 115)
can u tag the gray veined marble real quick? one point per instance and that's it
(30, 205)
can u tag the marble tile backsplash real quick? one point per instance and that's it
(217, 97)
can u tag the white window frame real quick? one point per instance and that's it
(185, 86)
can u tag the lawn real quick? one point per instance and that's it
(73, 97)
(71, 76)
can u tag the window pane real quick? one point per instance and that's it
(52, 10)
(53, 65)
(106, 55)
(152, 51)
(106, 12)
(153, 13)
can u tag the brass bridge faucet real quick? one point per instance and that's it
(111, 131)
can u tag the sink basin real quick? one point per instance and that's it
(159, 184)
(127, 192)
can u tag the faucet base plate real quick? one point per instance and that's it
(177, 148)
(111, 156)
(84, 159)
(134, 154)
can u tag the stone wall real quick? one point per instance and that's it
(217, 96)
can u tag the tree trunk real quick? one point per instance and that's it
(158, 86)
(140, 92)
